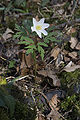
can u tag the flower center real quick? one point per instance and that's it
(38, 27)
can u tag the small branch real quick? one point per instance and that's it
(68, 23)
(74, 7)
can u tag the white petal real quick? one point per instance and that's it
(41, 21)
(34, 22)
(32, 28)
(44, 32)
(39, 33)
(45, 25)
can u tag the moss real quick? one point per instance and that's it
(77, 13)
(69, 79)
(24, 112)
(3, 115)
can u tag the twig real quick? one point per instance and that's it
(68, 23)
(20, 78)
(40, 12)
(76, 1)
(3, 58)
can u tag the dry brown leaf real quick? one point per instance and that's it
(53, 115)
(70, 67)
(78, 46)
(23, 66)
(41, 117)
(64, 52)
(36, 0)
(29, 60)
(55, 52)
(73, 55)
(51, 74)
(59, 60)
(54, 101)
(66, 59)
(43, 73)
(7, 34)
(71, 30)
(61, 11)
(73, 42)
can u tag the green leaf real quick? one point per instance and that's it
(44, 2)
(52, 39)
(19, 10)
(42, 44)
(17, 35)
(12, 64)
(21, 29)
(42, 55)
(7, 100)
(27, 39)
(41, 51)
(28, 24)
(17, 27)
(19, 2)
(24, 42)
(51, 28)
(31, 47)
(51, 34)
(3, 81)
(2, 8)
(10, 102)
(8, 8)
(29, 51)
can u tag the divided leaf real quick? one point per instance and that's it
(29, 51)
(31, 47)
(42, 44)
(41, 51)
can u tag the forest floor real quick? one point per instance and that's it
(44, 85)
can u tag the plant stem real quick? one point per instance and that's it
(34, 56)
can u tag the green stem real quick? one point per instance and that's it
(34, 56)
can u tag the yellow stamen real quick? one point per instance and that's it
(38, 27)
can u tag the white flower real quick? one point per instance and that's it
(39, 27)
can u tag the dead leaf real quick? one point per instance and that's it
(53, 115)
(40, 117)
(61, 11)
(73, 42)
(70, 67)
(78, 46)
(73, 55)
(59, 60)
(29, 60)
(69, 64)
(54, 101)
(55, 51)
(23, 66)
(7, 34)
(64, 52)
(51, 74)
(71, 30)
(43, 73)
(66, 59)
(36, 0)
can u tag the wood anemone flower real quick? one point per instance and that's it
(39, 27)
